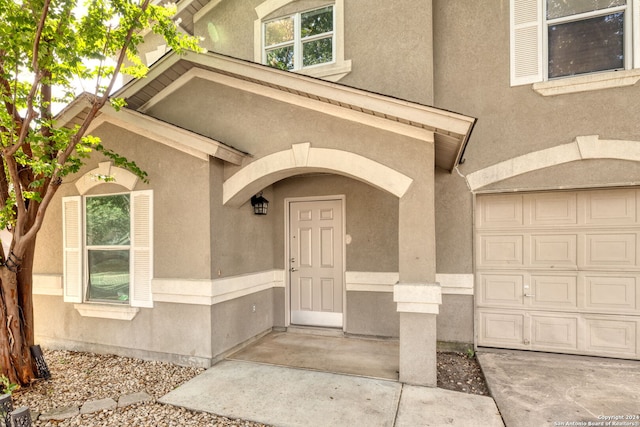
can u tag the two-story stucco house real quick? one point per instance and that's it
(452, 170)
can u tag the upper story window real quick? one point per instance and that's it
(585, 37)
(552, 39)
(301, 40)
(304, 37)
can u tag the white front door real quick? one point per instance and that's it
(316, 262)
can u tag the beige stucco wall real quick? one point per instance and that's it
(181, 206)
(472, 77)
(390, 44)
(454, 224)
(377, 64)
(372, 313)
(171, 332)
(233, 23)
(234, 322)
(241, 242)
(222, 113)
(455, 321)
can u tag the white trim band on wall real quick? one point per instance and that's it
(367, 281)
(210, 292)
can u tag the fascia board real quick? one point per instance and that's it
(72, 110)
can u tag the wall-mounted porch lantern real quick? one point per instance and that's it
(260, 204)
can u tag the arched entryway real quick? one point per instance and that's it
(417, 295)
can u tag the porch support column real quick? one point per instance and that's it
(417, 294)
(418, 305)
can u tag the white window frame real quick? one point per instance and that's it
(333, 71)
(298, 40)
(75, 270)
(529, 50)
(87, 248)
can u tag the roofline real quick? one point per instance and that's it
(409, 111)
(168, 134)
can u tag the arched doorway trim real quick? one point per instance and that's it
(583, 148)
(302, 158)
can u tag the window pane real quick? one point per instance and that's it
(317, 52)
(108, 220)
(281, 58)
(317, 22)
(108, 276)
(560, 8)
(279, 31)
(586, 46)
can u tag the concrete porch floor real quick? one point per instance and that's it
(299, 380)
(303, 348)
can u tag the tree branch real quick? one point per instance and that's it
(5, 87)
(96, 105)
(12, 166)
(38, 36)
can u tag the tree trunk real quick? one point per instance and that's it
(25, 292)
(16, 320)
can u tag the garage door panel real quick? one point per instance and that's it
(560, 272)
(550, 209)
(501, 289)
(501, 211)
(610, 207)
(612, 293)
(553, 251)
(551, 291)
(610, 250)
(554, 332)
(501, 329)
(606, 336)
(501, 250)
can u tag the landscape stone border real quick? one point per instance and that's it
(92, 406)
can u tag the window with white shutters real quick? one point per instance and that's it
(553, 39)
(108, 242)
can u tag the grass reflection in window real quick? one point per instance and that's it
(108, 238)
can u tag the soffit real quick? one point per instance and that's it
(450, 130)
(186, 11)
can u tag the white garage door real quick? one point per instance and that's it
(560, 272)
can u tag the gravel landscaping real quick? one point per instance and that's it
(78, 378)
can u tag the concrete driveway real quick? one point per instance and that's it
(541, 389)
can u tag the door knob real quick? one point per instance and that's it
(292, 269)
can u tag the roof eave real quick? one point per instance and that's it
(446, 123)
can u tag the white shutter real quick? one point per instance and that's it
(526, 41)
(635, 21)
(141, 248)
(72, 241)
